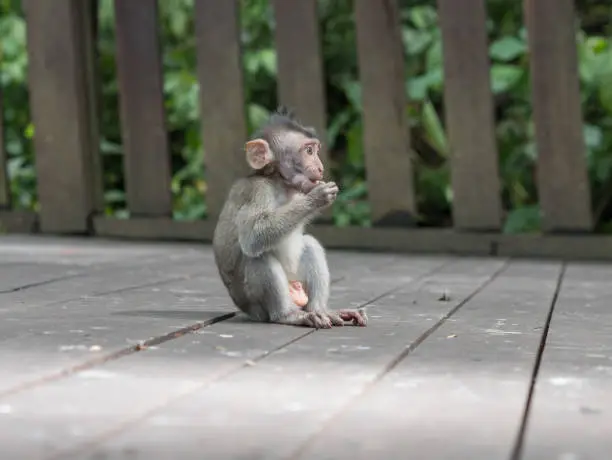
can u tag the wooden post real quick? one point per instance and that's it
(563, 183)
(386, 131)
(139, 71)
(468, 104)
(300, 68)
(5, 189)
(222, 105)
(60, 99)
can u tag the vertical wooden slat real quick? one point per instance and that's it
(88, 46)
(468, 103)
(386, 132)
(300, 68)
(222, 105)
(139, 72)
(60, 107)
(563, 184)
(5, 191)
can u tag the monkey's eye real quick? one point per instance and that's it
(309, 150)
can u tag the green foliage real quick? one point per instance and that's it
(18, 130)
(508, 54)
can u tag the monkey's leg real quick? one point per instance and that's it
(266, 288)
(314, 272)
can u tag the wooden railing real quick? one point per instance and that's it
(63, 101)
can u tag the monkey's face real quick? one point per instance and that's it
(295, 154)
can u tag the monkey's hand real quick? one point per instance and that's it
(323, 194)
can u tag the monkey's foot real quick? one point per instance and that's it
(297, 293)
(307, 319)
(358, 317)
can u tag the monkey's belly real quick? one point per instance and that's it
(289, 251)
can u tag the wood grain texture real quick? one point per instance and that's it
(300, 66)
(60, 101)
(5, 189)
(289, 366)
(563, 184)
(87, 18)
(471, 375)
(570, 414)
(145, 138)
(222, 102)
(468, 106)
(386, 134)
(448, 352)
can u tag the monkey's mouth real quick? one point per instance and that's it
(309, 184)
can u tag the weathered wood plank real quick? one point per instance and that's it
(563, 185)
(96, 252)
(60, 100)
(226, 347)
(139, 73)
(300, 376)
(222, 102)
(63, 283)
(85, 332)
(300, 66)
(17, 277)
(128, 293)
(100, 272)
(467, 90)
(570, 414)
(386, 134)
(87, 18)
(5, 189)
(472, 375)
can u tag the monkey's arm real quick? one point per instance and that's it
(261, 226)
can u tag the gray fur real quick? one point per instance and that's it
(259, 246)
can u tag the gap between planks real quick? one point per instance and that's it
(303, 447)
(23, 287)
(245, 364)
(519, 445)
(153, 341)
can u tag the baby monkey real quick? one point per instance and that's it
(272, 270)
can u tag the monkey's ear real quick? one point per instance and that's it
(258, 153)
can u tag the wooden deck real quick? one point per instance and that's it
(115, 350)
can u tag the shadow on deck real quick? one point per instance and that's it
(113, 350)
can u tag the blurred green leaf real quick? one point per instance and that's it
(504, 77)
(521, 220)
(507, 49)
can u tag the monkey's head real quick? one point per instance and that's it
(286, 147)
